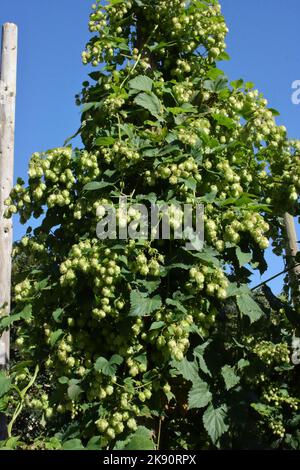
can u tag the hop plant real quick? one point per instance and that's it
(121, 327)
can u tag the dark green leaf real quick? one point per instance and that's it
(141, 440)
(55, 336)
(74, 391)
(73, 444)
(141, 83)
(8, 320)
(187, 369)
(229, 376)
(149, 102)
(141, 305)
(57, 314)
(199, 395)
(214, 422)
(249, 307)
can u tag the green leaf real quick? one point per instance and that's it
(199, 354)
(249, 307)
(243, 363)
(187, 369)
(214, 73)
(243, 258)
(236, 84)
(263, 410)
(115, 2)
(141, 83)
(141, 305)
(63, 380)
(55, 336)
(199, 395)
(149, 102)
(217, 85)
(157, 325)
(108, 368)
(105, 141)
(57, 314)
(94, 443)
(141, 440)
(214, 422)
(86, 107)
(73, 444)
(177, 304)
(224, 121)
(94, 185)
(224, 56)
(8, 320)
(10, 444)
(274, 112)
(229, 376)
(149, 286)
(5, 383)
(182, 110)
(74, 391)
(116, 359)
(190, 183)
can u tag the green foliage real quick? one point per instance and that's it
(147, 343)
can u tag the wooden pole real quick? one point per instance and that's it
(8, 79)
(291, 252)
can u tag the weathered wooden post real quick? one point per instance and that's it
(291, 252)
(8, 79)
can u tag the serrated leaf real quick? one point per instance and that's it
(149, 102)
(224, 121)
(249, 307)
(243, 258)
(190, 183)
(8, 320)
(149, 286)
(214, 422)
(57, 314)
(94, 185)
(74, 391)
(177, 304)
(217, 85)
(116, 359)
(141, 440)
(199, 395)
(187, 369)
(214, 73)
(105, 141)
(141, 83)
(157, 325)
(5, 383)
(229, 376)
(108, 368)
(55, 336)
(141, 305)
(199, 354)
(73, 444)
(94, 443)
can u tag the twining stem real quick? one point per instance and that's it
(19, 408)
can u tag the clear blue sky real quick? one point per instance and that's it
(263, 43)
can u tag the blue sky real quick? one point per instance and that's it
(263, 43)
